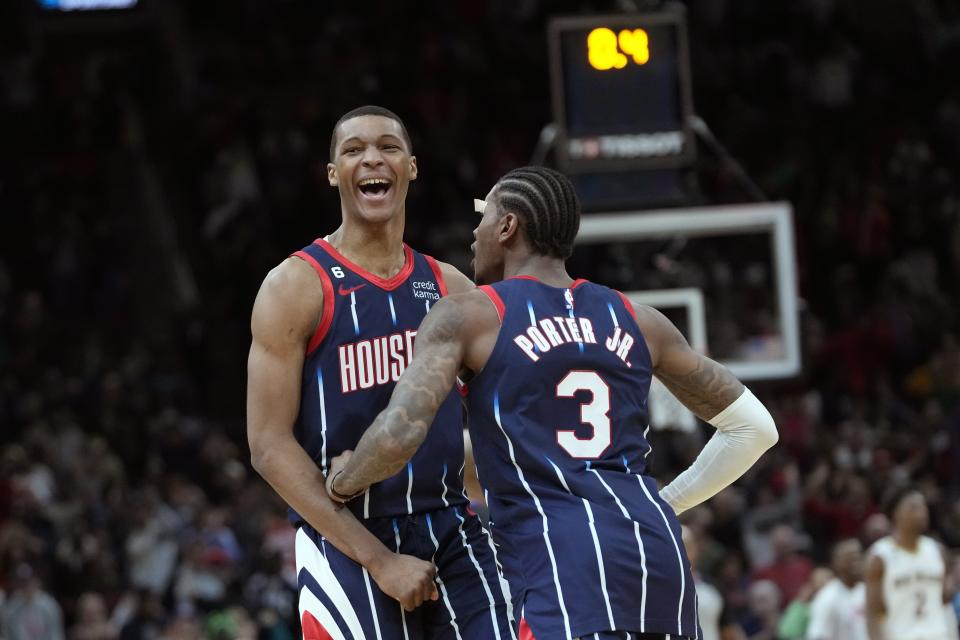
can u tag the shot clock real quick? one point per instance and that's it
(621, 92)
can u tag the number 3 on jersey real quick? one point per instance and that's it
(593, 413)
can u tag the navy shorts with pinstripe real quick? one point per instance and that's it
(339, 599)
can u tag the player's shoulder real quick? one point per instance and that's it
(822, 599)
(929, 541)
(827, 593)
(291, 279)
(456, 280)
(466, 315)
(931, 545)
(882, 543)
(876, 562)
(474, 305)
(647, 315)
(656, 328)
(291, 290)
(881, 548)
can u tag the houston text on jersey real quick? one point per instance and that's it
(376, 361)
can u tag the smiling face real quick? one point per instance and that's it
(372, 167)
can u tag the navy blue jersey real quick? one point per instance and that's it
(363, 342)
(558, 419)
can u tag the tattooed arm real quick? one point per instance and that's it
(398, 431)
(702, 385)
(745, 428)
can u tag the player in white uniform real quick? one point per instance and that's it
(906, 586)
(716, 623)
(839, 608)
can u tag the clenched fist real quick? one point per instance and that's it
(406, 578)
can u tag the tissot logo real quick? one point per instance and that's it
(641, 145)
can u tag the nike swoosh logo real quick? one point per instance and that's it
(345, 292)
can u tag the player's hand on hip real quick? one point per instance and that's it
(410, 580)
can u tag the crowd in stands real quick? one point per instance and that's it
(151, 175)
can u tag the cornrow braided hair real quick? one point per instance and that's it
(547, 205)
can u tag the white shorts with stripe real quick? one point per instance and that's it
(340, 601)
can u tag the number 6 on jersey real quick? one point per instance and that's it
(593, 413)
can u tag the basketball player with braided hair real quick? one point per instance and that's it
(559, 370)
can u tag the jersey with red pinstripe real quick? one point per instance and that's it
(363, 343)
(558, 421)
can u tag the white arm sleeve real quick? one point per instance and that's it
(745, 429)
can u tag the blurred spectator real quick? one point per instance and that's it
(147, 619)
(18, 545)
(789, 570)
(187, 627)
(152, 543)
(837, 610)
(272, 626)
(716, 621)
(230, 624)
(763, 614)
(279, 538)
(201, 578)
(796, 618)
(875, 527)
(776, 501)
(30, 613)
(837, 501)
(92, 622)
(268, 591)
(220, 544)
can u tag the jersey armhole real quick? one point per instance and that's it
(326, 317)
(494, 298)
(437, 273)
(627, 304)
